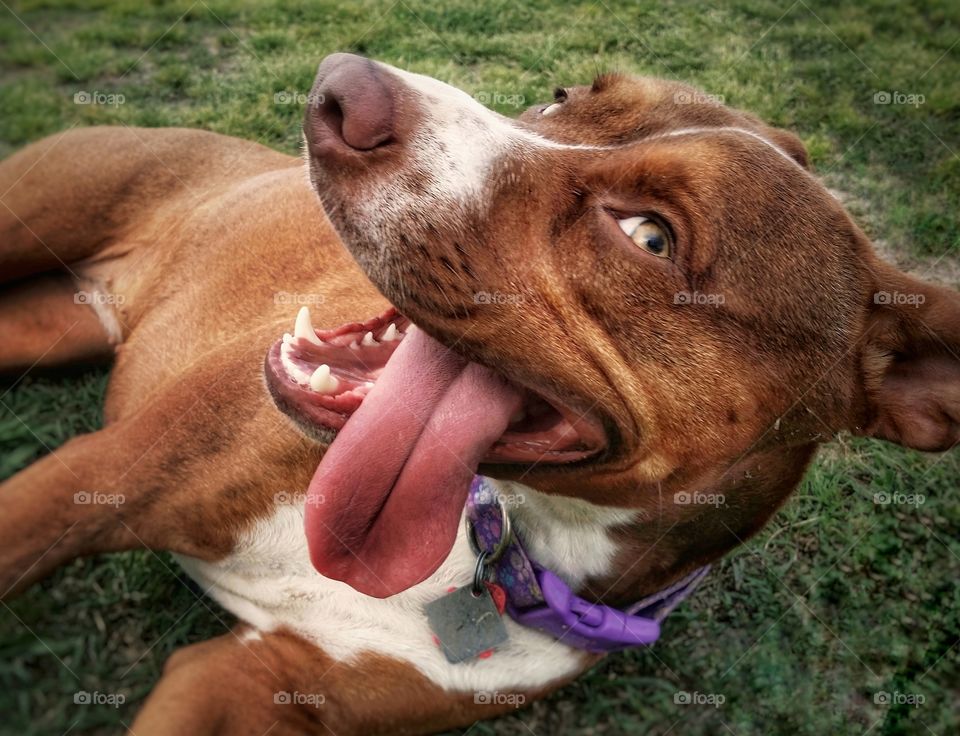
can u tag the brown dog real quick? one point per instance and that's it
(626, 302)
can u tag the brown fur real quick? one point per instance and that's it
(199, 232)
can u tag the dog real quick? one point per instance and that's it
(629, 298)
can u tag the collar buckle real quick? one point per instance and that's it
(578, 623)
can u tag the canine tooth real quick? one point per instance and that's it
(390, 334)
(304, 327)
(368, 340)
(287, 338)
(322, 381)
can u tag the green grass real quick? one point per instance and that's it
(840, 598)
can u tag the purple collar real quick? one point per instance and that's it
(537, 598)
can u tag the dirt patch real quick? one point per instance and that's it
(943, 269)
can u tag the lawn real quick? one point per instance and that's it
(841, 600)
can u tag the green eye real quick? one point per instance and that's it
(647, 234)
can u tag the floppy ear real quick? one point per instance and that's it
(911, 363)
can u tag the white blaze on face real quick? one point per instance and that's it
(458, 139)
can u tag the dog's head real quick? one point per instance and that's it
(682, 312)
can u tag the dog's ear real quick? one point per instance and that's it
(911, 363)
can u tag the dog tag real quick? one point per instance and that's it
(466, 624)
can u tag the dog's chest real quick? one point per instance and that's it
(269, 582)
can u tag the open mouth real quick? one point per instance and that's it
(414, 421)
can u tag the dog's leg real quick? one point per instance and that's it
(43, 326)
(185, 472)
(62, 506)
(250, 682)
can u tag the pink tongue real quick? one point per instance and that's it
(384, 505)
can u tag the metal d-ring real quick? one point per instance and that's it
(506, 534)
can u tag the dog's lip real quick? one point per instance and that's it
(530, 441)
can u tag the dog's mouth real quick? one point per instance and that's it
(414, 421)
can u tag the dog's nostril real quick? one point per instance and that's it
(330, 114)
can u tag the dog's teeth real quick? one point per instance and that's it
(391, 334)
(368, 340)
(322, 381)
(304, 327)
(287, 338)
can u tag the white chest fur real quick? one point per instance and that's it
(268, 582)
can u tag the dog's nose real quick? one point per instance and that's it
(353, 100)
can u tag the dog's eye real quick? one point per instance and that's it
(559, 97)
(647, 234)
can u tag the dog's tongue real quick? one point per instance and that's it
(384, 505)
